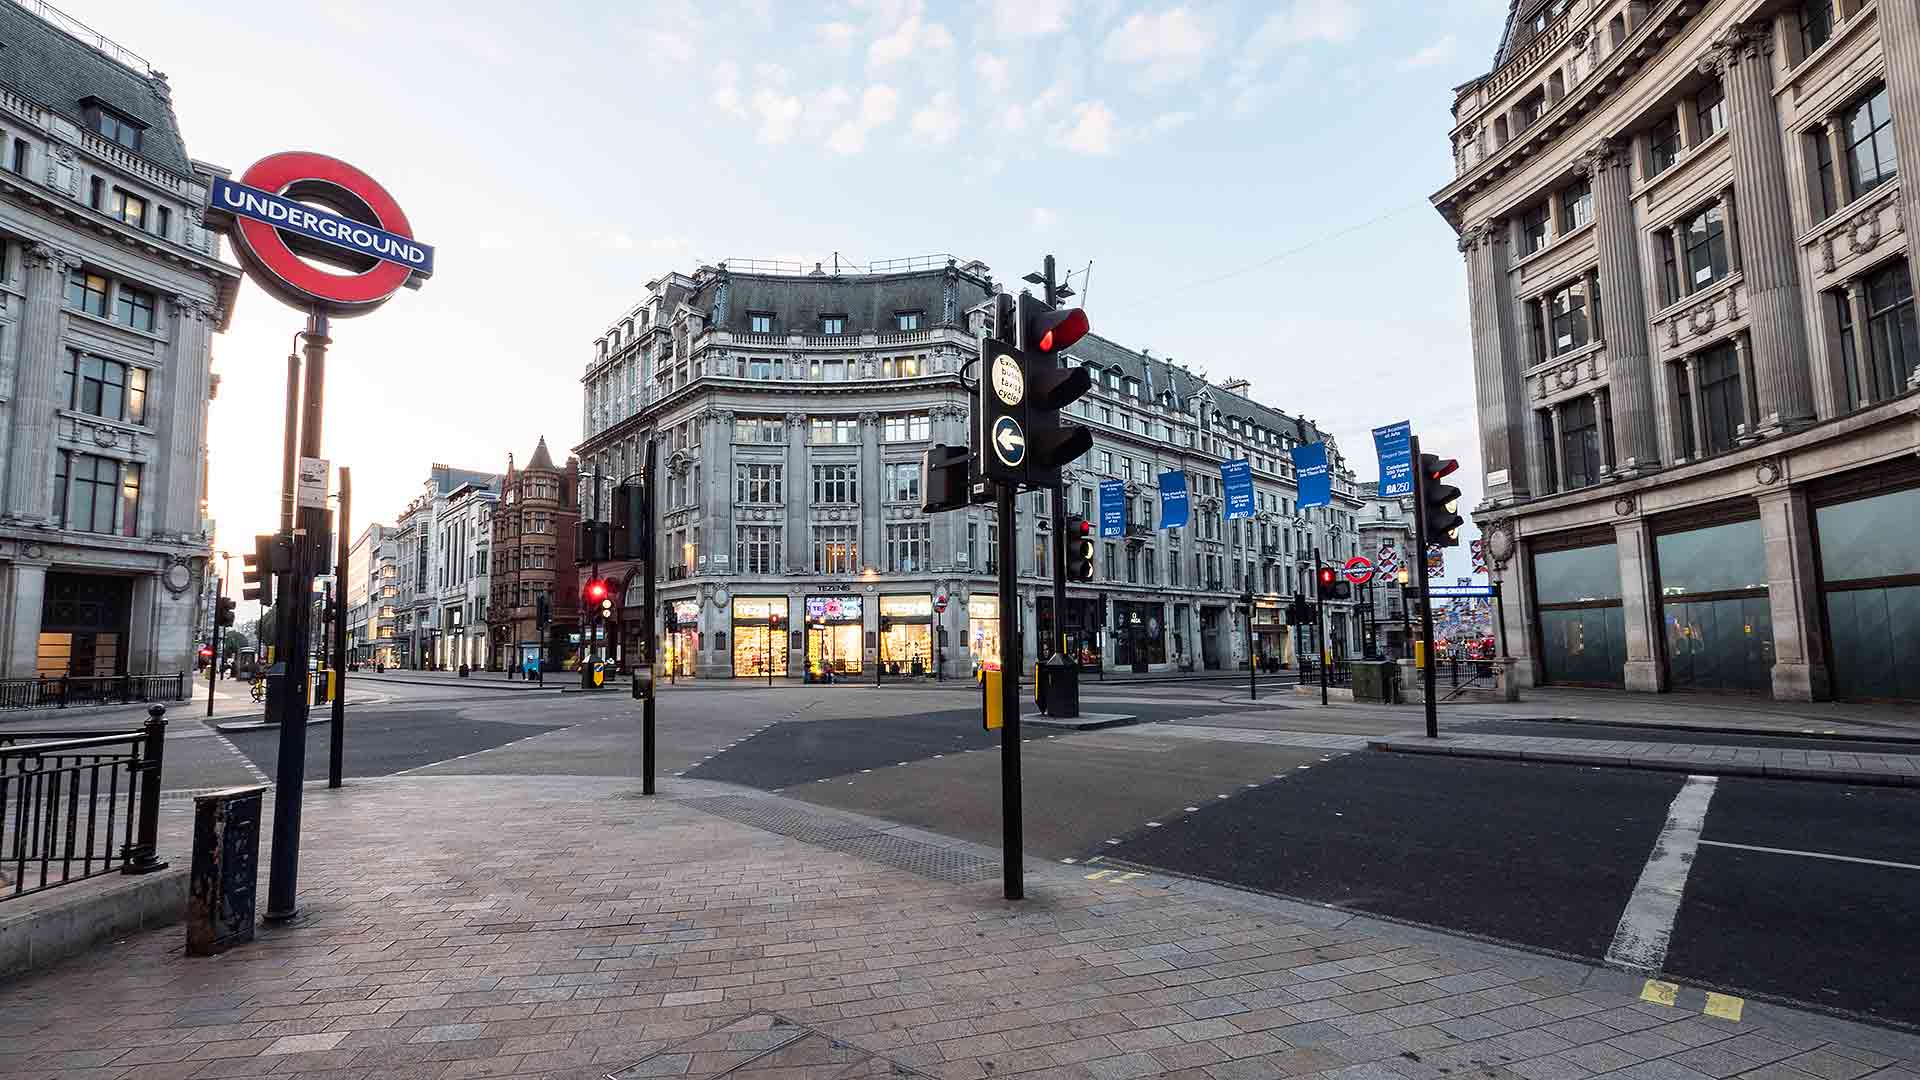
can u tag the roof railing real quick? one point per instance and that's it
(88, 35)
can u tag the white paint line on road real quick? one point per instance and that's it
(1646, 927)
(1812, 855)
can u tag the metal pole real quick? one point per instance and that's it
(1427, 676)
(1320, 625)
(648, 604)
(213, 669)
(284, 873)
(1253, 666)
(1011, 844)
(289, 457)
(337, 738)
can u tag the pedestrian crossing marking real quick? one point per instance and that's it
(1725, 1006)
(1660, 993)
(1110, 876)
(1098, 874)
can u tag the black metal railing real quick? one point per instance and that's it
(64, 690)
(1340, 673)
(74, 805)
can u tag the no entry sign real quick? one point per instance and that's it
(1358, 570)
(293, 207)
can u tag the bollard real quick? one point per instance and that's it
(143, 856)
(226, 868)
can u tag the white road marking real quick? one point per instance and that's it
(1646, 927)
(1812, 855)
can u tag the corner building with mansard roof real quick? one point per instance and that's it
(110, 292)
(1690, 266)
(791, 406)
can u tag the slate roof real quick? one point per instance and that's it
(44, 63)
(446, 479)
(1161, 376)
(1511, 36)
(541, 459)
(868, 302)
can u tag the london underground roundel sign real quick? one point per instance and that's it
(291, 211)
(1358, 570)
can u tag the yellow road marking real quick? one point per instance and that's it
(1128, 877)
(1660, 993)
(1098, 874)
(1725, 1006)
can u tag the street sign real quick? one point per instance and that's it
(1358, 570)
(313, 484)
(1000, 411)
(1009, 440)
(1009, 382)
(1450, 592)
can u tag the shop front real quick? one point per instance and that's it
(1139, 634)
(758, 647)
(983, 632)
(1717, 623)
(1582, 623)
(1084, 637)
(84, 623)
(834, 626)
(1869, 559)
(680, 645)
(906, 634)
(1272, 644)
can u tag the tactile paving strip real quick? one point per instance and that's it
(852, 838)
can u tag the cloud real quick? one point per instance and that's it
(1303, 22)
(1027, 18)
(779, 114)
(913, 35)
(1042, 218)
(937, 122)
(1439, 52)
(879, 104)
(1092, 129)
(1167, 122)
(669, 47)
(992, 71)
(726, 89)
(1175, 36)
(837, 36)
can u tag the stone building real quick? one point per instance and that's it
(791, 408)
(463, 536)
(1386, 539)
(1694, 341)
(532, 567)
(426, 620)
(371, 583)
(110, 290)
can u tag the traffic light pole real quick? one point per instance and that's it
(1320, 625)
(1253, 663)
(648, 604)
(337, 738)
(213, 669)
(1011, 843)
(1060, 704)
(1424, 647)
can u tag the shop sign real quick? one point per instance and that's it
(906, 607)
(686, 613)
(750, 607)
(834, 609)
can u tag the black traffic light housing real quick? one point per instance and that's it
(1079, 564)
(1051, 387)
(667, 616)
(631, 535)
(1342, 590)
(943, 479)
(1324, 581)
(542, 609)
(1440, 500)
(271, 555)
(223, 612)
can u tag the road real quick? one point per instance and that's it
(1797, 891)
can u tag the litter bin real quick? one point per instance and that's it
(226, 862)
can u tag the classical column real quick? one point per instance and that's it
(796, 509)
(1800, 669)
(1768, 255)
(1629, 355)
(1743, 360)
(1639, 600)
(181, 421)
(36, 383)
(874, 480)
(716, 515)
(1559, 450)
(1496, 361)
(1601, 426)
(1681, 283)
(1695, 414)
(1862, 348)
(25, 595)
(1536, 449)
(1900, 45)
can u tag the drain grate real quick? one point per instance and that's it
(851, 838)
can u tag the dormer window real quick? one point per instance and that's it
(909, 320)
(833, 324)
(114, 126)
(759, 322)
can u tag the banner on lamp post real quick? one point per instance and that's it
(1394, 444)
(1236, 482)
(1311, 475)
(1113, 508)
(1173, 500)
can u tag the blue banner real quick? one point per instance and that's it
(1394, 445)
(1236, 480)
(1113, 508)
(1311, 476)
(1173, 500)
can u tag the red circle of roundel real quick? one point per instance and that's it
(1358, 570)
(276, 173)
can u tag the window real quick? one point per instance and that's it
(833, 324)
(756, 549)
(129, 208)
(902, 482)
(1871, 157)
(1849, 346)
(759, 429)
(1829, 193)
(907, 547)
(759, 323)
(1706, 254)
(1891, 336)
(1133, 566)
(1663, 145)
(908, 320)
(105, 388)
(1721, 410)
(1533, 230)
(163, 223)
(993, 547)
(134, 308)
(1568, 308)
(836, 484)
(912, 427)
(900, 367)
(1549, 452)
(1531, 109)
(97, 494)
(114, 126)
(18, 163)
(1709, 112)
(1816, 25)
(1580, 442)
(1576, 206)
(87, 292)
(835, 549)
(1109, 562)
(95, 188)
(756, 483)
(828, 432)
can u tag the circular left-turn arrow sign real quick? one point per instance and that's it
(1009, 442)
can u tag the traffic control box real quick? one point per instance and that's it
(990, 683)
(226, 867)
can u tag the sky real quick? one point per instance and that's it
(1242, 187)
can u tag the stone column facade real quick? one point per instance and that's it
(1765, 235)
(1639, 598)
(25, 594)
(795, 541)
(1496, 360)
(1629, 356)
(183, 423)
(1900, 45)
(717, 519)
(36, 384)
(1800, 668)
(872, 490)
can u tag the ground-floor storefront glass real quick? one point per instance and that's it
(1272, 645)
(1210, 646)
(1716, 622)
(1870, 584)
(833, 635)
(680, 645)
(1140, 634)
(757, 645)
(983, 631)
(1583, 627)
(906, 637)
(1083, 636)
(83, 626)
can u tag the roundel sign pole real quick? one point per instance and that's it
(326, 239)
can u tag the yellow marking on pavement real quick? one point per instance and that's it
(1128, 876)
(1098, 874)
(1725, 1006)
(1660, 993)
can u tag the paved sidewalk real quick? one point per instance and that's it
(1838, 766)
(561, 927)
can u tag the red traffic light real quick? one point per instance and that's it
(773, 621)
(1055, 330)
(206, 650)
(1086, 527)
(596, 590)
(1440, 467)
(1326, 575)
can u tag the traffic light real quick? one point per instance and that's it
(256, 570)
(886, 624)
(599, 594)
(542, 610)
(672, 620)
(943, 479)
(1342, 590)
(631, 534)
(1324, 582)
(1441, 501)
(223, 611)
(773, 626)
(1051, 387)
(1079, 548)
